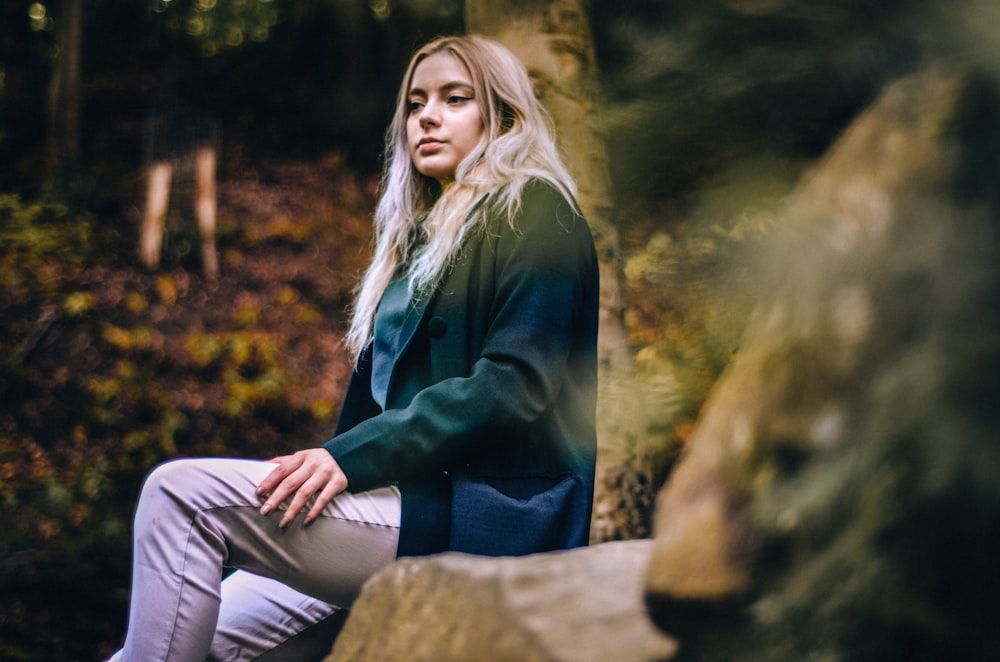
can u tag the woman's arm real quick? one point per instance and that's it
(545, 289)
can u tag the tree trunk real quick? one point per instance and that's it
(62, 152)
(553, 39)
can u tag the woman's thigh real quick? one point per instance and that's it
(355, 535)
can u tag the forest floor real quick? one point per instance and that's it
(293, 239)
(115, 368)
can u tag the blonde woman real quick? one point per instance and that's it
(468, 424)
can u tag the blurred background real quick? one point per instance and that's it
(710, 112)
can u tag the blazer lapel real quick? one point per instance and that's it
(420, 307)
(414, 317)
(412, 322)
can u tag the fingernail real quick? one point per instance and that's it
(266, 509)
(283, 523)
(259, 491)
(307, 521)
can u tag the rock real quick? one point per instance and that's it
(578, 605)
(839, 499)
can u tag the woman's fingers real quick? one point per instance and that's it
(330, 490)
(301, 476)
(302, 495)
(285, 465)
(280, 483)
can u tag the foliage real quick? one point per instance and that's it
(693, 85)
(38, 239)
(114, 370)
(220, 25)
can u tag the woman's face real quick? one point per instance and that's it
(444, 122)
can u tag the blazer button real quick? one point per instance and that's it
(436, 327)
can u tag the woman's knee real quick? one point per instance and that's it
(204, 483)
(167, 476)
(175, 482)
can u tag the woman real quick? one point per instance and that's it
(468, 424)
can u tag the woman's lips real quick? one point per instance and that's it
(429, 145)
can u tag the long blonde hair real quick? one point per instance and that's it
(419, 228)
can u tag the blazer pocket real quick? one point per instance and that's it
(511, 516)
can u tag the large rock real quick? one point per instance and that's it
(839, 499)
(579, 605)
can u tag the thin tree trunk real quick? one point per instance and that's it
(64, 104)
(554, 40)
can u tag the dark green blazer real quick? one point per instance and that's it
(489, 422)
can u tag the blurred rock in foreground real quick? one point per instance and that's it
(579, 605)
(840, 498)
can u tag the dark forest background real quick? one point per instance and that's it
(107, 368)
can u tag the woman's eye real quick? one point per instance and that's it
(414, 106)
(457, 98)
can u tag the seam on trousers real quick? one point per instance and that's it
(183, 582)
(340, 517)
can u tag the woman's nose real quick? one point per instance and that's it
(429, 115)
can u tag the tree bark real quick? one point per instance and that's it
(554, 40)
(62, 152)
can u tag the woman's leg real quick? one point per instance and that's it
(260, 615)
(196, 516)
(263, 620)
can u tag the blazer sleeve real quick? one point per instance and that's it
(545, 272)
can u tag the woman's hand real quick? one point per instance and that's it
(305, 474)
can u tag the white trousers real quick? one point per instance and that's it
(197, 517)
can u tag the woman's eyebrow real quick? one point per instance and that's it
(446, 87)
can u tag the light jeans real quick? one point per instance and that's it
(196, 517)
